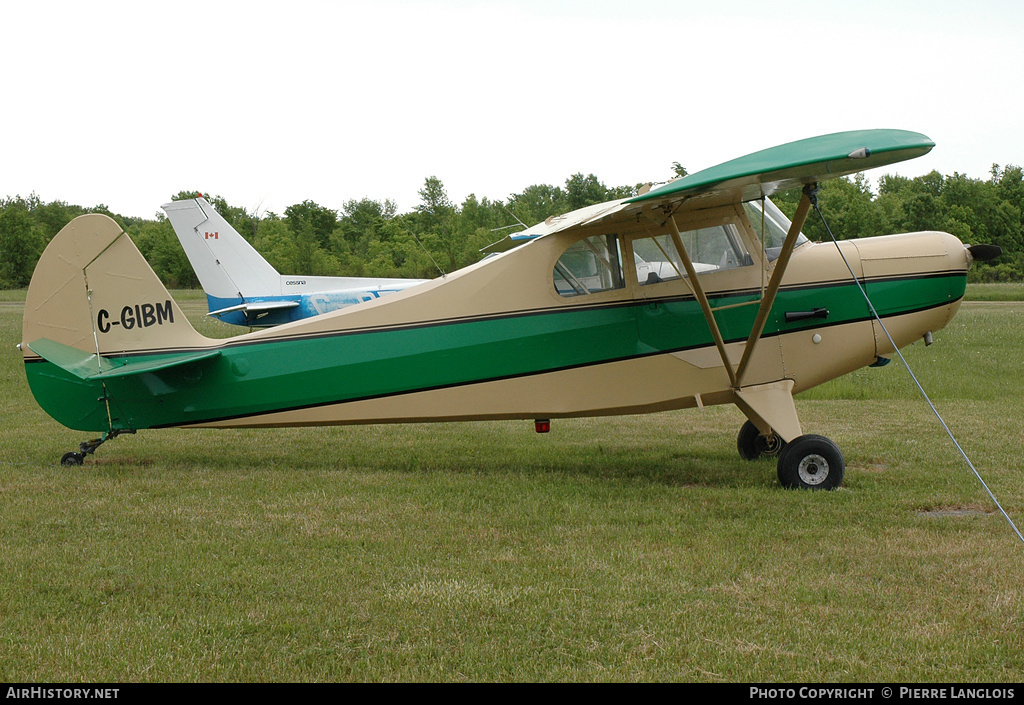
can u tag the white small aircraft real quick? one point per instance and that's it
(244, 289)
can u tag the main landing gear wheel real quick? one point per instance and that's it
(811, 463)
(752, 445)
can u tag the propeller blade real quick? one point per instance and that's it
(983, 253)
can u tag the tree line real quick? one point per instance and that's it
(370, 238)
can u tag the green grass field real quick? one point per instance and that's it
(623, 549)
(995, 292)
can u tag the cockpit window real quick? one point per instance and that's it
(715, 248)
(710, 249)
(657, 260)
(775, 226)
(590, 266)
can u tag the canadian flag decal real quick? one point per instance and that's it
(210, 236)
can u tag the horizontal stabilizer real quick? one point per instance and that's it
(92, 366)
(255, 307)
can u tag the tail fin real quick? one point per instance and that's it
(94, 308)
(228, 267)
(94, 291)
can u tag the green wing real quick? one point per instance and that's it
(796, 164)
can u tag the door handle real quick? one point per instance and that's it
(792, 316)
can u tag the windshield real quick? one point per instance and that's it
(775, 226)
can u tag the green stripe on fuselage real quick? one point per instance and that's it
(287, 374)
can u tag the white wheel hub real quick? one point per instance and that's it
(813, 469)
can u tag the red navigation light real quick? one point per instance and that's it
(542, 425)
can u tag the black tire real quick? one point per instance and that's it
(811, 463)
(752, 445)
(72, 459)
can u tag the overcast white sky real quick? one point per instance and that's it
(271, 103)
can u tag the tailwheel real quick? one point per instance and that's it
(89, 447)
(811, 463)
(752, 445)
(72, 459)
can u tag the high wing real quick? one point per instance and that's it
(750, 177)
(794, 164)
(583, 216)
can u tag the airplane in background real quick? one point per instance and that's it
(689, 295)
(225, 262)
(244, 289)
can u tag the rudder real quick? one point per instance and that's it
(228, 267)
(93, 290)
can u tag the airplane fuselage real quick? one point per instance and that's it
(499, 340)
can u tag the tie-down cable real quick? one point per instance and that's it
(812, 193)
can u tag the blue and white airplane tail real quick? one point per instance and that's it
(244, 289)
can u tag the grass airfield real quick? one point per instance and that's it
(624, 549)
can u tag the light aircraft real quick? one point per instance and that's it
(244, 289)
(681, 297)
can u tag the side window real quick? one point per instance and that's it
(590, 266)
(715, 248)
(657, 260)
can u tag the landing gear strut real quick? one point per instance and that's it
(88, 447)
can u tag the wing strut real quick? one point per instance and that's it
(698, 292)
(768, 299)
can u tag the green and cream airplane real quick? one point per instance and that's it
(695, 293)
